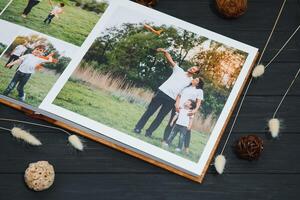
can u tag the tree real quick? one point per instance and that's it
(130, 51)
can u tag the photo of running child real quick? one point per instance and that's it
(31, 65)
(71, 20)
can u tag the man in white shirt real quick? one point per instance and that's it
(28, 64)
(166, 95)
(17, 53)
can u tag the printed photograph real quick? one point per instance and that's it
(67, 20)
(154, 81)
(31, 65)
(2, 47)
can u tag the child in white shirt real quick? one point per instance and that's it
(28, 64)
(55, 12)
(16, 53)
(183, 123)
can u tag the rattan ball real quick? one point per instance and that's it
(249, 147)
(39, 175)
(149, 3)
(231, 8)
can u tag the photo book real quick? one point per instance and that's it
(125, 75)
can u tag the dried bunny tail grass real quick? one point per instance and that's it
(73, 139)
(274, 127)
(258, 71)
(75, 142)
(220, 162)
(25, 136)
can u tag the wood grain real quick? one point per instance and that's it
(103, 173)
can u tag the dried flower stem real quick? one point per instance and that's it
(34, 124)
(251, 79)
(73, 139)
(286, 92)
(5, 129)
(283, 46)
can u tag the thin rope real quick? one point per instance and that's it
(248, 86)
(34, 124)
(5, 129)
(236, 116)
(273, 29)
(287, 91)
(282, 47)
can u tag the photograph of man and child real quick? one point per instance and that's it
(67, 20)
(180, 94)
(31, 57)
(156, 82)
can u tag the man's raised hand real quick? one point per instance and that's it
(168, 56)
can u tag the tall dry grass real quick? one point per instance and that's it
(204, 124)
(119, 88)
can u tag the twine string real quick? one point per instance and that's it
(287, 91)
(279, 51)
(250, 81)
(34, 124)
(5, 129)
(272, 31)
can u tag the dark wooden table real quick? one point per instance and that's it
(103, 173)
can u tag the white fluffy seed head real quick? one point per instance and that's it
(274, 127)
(258, 71)
(25, 136)
(220, 162)
(75, 142)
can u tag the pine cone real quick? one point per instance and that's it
(149, 3)
(231, 8)
(249, 147)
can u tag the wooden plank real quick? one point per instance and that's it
(100, 159)
(139, 186)
(260, 15)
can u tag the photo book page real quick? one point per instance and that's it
(137, 78)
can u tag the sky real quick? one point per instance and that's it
(9, 32)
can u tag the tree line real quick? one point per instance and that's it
(129, 52)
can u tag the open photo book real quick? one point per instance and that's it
(125, 75)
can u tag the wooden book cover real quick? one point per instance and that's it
(127, 76)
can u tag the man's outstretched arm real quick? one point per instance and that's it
(168, 56)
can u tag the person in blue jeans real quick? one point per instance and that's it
(183, 123)
(29, 63)
(29, 6)
(164, 99)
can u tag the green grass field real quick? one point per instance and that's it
(119, 114)
(2, 4)
(36, 89)
(73, 26)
